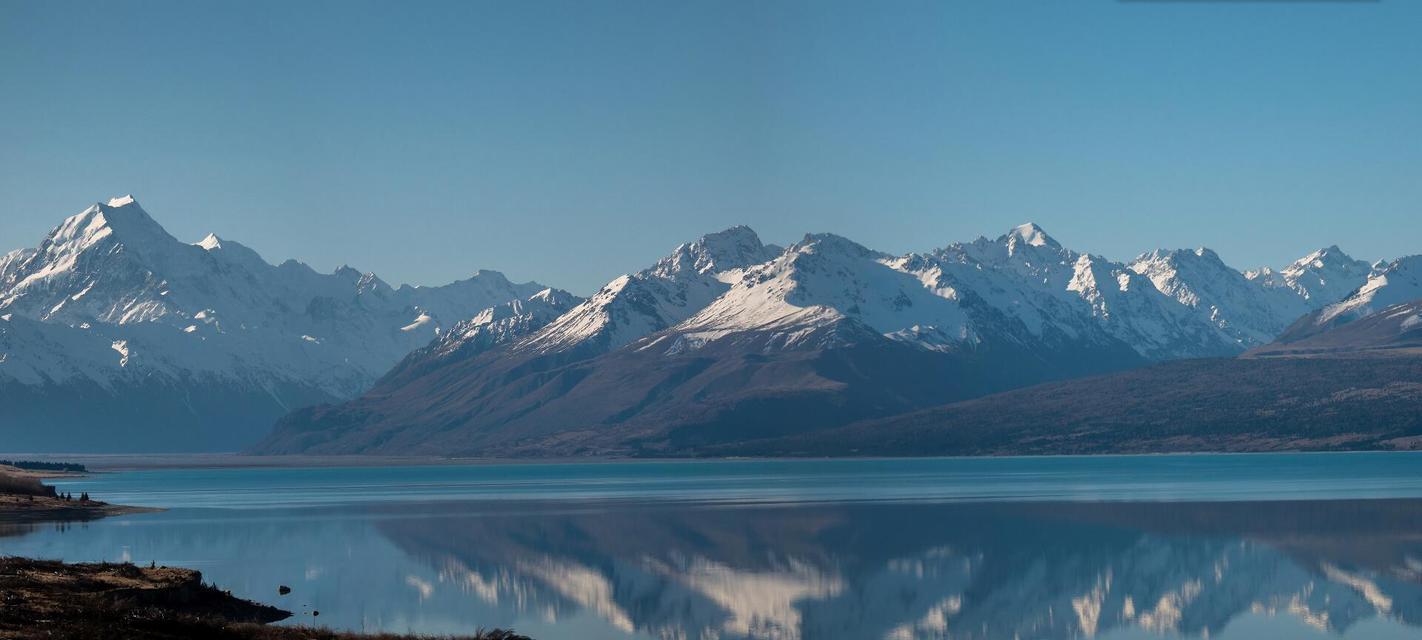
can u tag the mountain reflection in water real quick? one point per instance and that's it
(933, 571)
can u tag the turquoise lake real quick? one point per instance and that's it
(1196, 546)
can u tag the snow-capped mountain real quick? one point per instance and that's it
(493, 327)
(1031, 277)
(1398, 282)
(1394, 283)
(1320, 278)
(823, 280)
(1245, 310)
(635, 305)
(728, 338)
(1022, 287)
(111, 307)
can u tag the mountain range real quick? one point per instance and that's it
(729, 344)
(115, 336)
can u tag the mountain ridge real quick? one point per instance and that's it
(724, 339)
(695, 353)
(110, 307)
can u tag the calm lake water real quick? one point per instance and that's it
(1260, 546)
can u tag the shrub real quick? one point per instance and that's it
(24, 486)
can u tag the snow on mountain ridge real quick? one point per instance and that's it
(1165, 304)
(676, 287)
(215, 311)
(1247, 311)
(1398, 282)
(504, 323)
(722, 251)
(1320, 278)
(822, 280)
(210, 242)
(1029, 234)
(952, 297)
(218, 309)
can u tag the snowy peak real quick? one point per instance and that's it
(1398, 282)
(1319, 278)
(1246, 310)
(1177, 271)
(835, 246)
(1028, 234)
(819, 282)
(95, 253)
(549, 298)
(100, 228)
(501, 324)
(1201, 258)
(128, 220)
(370, 283)
(210, 242)
(216, 308)
(1026, 250)
(734, 248)
(679, 285)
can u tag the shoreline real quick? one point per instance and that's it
(20, 509)
(53, 599)
(101, 463)
(30, 501)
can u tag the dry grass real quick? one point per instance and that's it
(24, 486)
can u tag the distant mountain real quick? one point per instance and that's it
(1320, 278)
(1248, 311)
(1396, 329)
(114, 335)
(656, 298)
(1398, 282)
(729, 340)
(1351, 386)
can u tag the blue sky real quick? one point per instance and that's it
(569, 142)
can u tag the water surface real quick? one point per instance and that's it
(1317, 545)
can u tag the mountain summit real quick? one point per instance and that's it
(118, 335)
(1029, 234)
